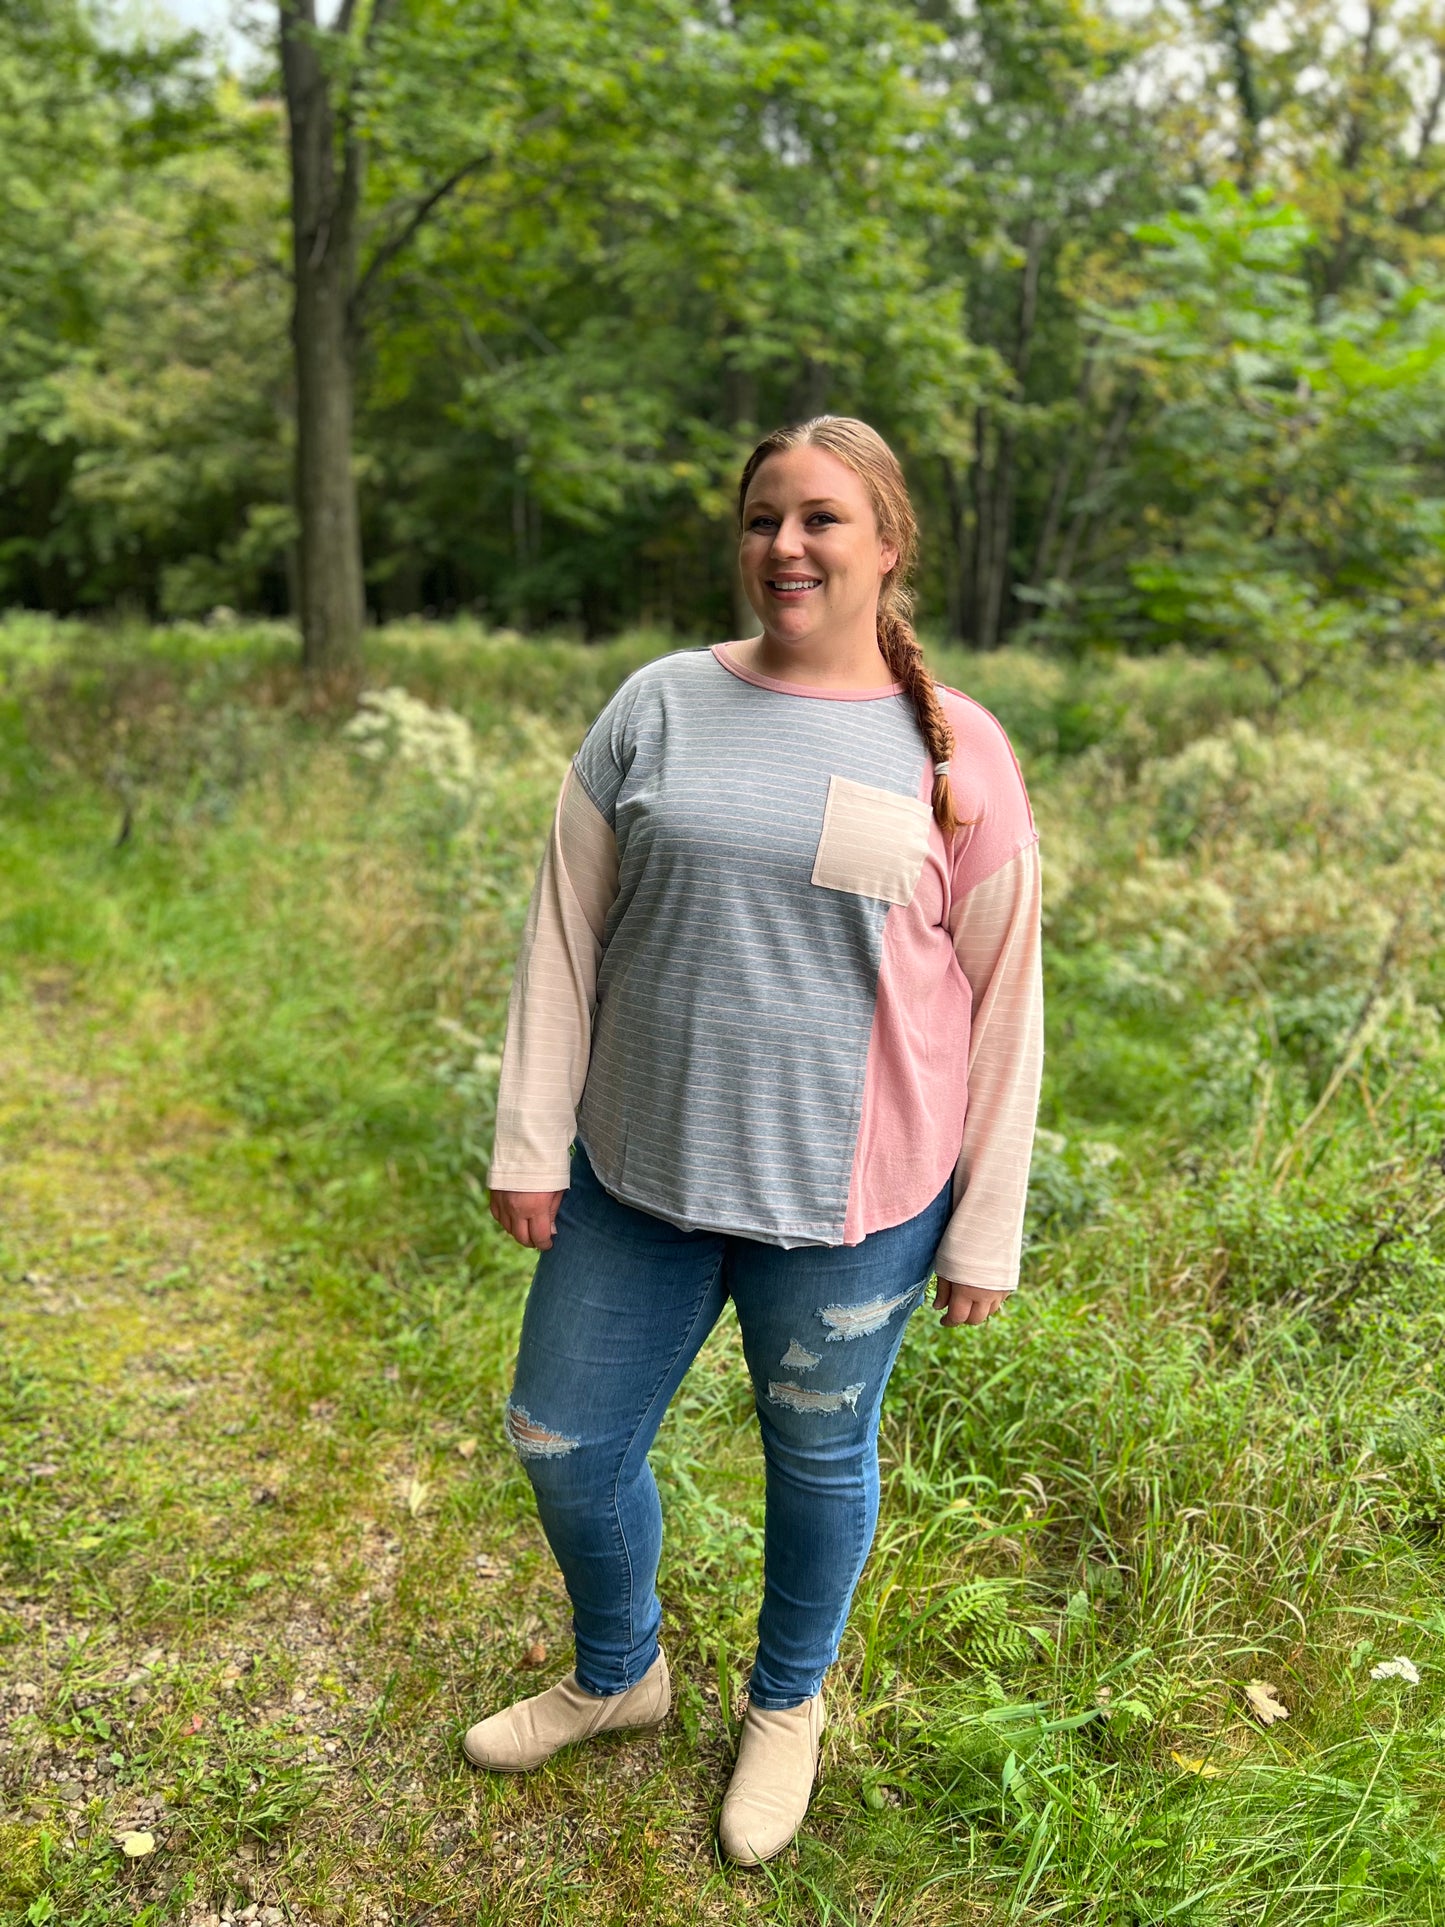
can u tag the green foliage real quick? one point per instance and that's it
(1160, 377)
(1284, 502)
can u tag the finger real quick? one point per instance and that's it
(941, 1294)
(518, 1227)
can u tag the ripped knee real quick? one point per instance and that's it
(806, 1398)
(529, 1440)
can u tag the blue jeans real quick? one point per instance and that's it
(618, 1310)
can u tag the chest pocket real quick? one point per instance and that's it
(873, 841)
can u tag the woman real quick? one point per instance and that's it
(780, 982)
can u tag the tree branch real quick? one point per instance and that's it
(346, 14)
(1429, 120)
(423, 210)
(1246, 89)
(420, 214)
(1029, 297)
(1103, 454)
(1352, 151)
(1064, 471)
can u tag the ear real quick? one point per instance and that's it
(888, 558)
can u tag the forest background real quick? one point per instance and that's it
(1150, 303)
(1148, 299)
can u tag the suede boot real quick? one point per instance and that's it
(524, 1735)
(772, 1782)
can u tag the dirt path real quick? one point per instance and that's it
(265, 1556)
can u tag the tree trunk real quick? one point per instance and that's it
(1087, 513)
(1251, 111)
(1063, 476)
(741, 401)
(954, 577)
(324, 200)
(986, 595)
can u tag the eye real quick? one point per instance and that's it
(760, 521)
(822, 515)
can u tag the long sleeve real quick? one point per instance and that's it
(554, 994)
(996, 935)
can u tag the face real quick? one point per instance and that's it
(811, 556)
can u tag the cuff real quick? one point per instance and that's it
(504, 1177)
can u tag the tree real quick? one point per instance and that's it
(327, 162)
(1047, 153)
(1286, 499)
(94, 135)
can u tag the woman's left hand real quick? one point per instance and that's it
(964, 1304)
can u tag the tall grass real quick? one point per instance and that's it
(252, 988)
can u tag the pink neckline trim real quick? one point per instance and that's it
(800, 688)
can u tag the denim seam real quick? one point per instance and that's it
(617, 1481)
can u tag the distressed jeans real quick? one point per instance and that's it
(618, 1310)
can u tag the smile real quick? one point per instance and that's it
(791, 585)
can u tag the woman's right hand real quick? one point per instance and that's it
(528, 1216)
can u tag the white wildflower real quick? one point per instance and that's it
(1101, 1153)
(1397, 1668)
(438, 742)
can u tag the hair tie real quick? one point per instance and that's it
(940, 769)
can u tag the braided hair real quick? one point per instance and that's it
(864, 450)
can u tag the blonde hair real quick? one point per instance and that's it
(864, 450)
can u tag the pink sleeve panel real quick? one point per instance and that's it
(988, 793)
(940, 952)
(554, 994)
(996, 934)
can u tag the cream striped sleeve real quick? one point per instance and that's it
(996, 936)
(554, 994)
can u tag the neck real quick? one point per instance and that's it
(838, 659)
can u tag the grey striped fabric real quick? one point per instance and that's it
(735, 996)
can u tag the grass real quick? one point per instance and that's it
(264, 1550)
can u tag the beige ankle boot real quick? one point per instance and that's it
(524, 1735)
(772, 1782)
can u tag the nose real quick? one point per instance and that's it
(788, 541)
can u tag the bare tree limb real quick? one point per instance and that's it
(1104, 454)
(1354, 144)
(423, 209)
(1063, 475)
(379, 12)
(346, 16)
(1430, 119)
(1236, 33)
(1029, 295)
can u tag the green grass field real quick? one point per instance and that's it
(265, 1552)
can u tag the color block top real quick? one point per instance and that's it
(757, 984)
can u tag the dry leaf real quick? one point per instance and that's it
(1263, 1702)
(489, 1568)
(135, 1846)
(416, 1496)
(467, 1448)
(1201, 1767)
(536, 1654)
